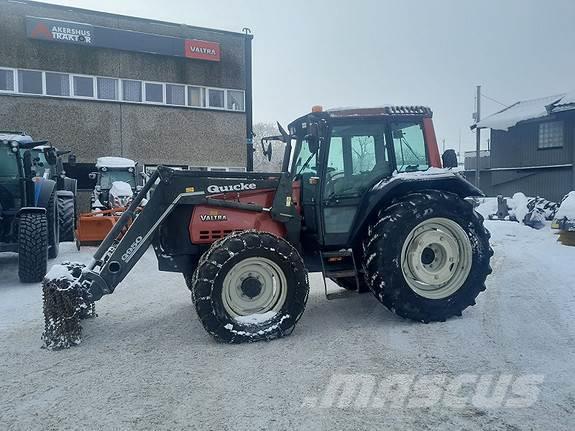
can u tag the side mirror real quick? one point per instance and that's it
(93, 175)
(267, 151)
(449, 159)
(72, 159)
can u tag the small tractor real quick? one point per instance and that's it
(361, 198)
(29, 222)
(116, 183)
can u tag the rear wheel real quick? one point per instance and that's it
(250, 286)
(66, 215)
(32, 247)
(428, 255)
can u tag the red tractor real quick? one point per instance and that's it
(361, 198)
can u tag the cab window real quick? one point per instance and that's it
(356, 158)
(8, 162)
(305, 162)
(409, 146)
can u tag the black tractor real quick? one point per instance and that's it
(28, 207)
(47, 163)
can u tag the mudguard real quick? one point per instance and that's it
(71, 185)
(43, 189)
(385, 191)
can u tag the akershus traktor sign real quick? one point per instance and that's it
(106, 37)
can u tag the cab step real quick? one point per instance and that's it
(339, 260)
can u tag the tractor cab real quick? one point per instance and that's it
(16, 170)
(47, 163)
(341, 155)
(115, 182)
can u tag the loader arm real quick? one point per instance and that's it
(115, 258)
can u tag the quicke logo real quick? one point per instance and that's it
(231, 188)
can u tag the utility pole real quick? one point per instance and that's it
(477, 136)
(459, 148)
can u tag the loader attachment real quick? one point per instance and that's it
(93, 227)
(68, 289)
(65, 303)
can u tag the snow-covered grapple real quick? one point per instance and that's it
(361, 198)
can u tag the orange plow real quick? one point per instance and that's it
(93, 227)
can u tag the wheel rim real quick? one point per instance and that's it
(436, 258)
(255, 285)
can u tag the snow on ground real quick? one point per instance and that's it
(146, 362)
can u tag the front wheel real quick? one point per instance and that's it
(32, 247)
(250, 286)
(427, 256)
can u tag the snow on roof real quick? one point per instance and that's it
(114, 162)
(15, 137)
(563, 104)
(528, 110)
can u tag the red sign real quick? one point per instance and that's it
(202, 50)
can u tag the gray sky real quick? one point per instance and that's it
(365, 53)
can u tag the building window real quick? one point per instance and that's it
(195, 96)
(29, 82)
(215, 98)
(57, 84)
(83, 86)
(131, 91)
(6, 80)
(60, 84)
(236, 100)
(551, 134)
(175, 94)
(154, 93)
(107, 88)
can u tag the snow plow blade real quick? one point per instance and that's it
(65, 303)
(93, 227)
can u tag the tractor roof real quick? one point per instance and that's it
(378, 111)
(114, 162)
(370, 112)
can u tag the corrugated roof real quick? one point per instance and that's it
(524, 110)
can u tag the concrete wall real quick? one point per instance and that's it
(148, 134)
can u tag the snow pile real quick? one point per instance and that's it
(487, 207)
(518, 207)
(567, 208)
(60, 272)
(120, 189)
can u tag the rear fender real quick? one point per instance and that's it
(43, 189)
(383, 194)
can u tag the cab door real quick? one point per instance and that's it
(356, 159)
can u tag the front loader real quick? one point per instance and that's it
(361, 198)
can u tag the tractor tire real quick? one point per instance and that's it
(427, 256)
(250, 286)
(350, 284)
(32, 247)
(53, 227)
(66, 215)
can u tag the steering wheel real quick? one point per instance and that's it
(330, 179)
